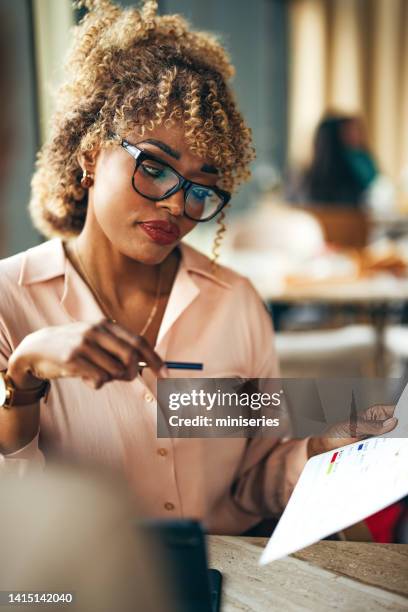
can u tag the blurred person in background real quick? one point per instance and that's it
(342, 167)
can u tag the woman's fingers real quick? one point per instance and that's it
(103, 359)
(92, 374)
(379, 412)
(138, 343)
(151, 358)
(94, 352)
(361, 428)
(371, 427)
(118, 349)
(375, 421)
(346, 433)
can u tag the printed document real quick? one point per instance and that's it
(342, 487)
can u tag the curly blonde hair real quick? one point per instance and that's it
(133, 69)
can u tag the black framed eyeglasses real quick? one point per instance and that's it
(156, 180)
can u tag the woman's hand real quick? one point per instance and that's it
(96, 353)
(374, 421)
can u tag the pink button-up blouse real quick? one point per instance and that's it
(230, 484)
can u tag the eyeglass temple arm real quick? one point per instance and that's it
(131, 149)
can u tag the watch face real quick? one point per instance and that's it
(3, 391)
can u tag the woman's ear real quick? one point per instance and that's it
(87, 161)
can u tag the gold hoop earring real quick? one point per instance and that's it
(87, 180)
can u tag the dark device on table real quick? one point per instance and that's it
(182, 544)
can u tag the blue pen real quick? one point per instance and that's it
(178, 365)
(183, 365)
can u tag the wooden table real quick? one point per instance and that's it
(374, 296)
(341, 576)
(377, 289)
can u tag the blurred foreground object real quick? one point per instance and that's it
(71, 531)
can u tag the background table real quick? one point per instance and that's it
(374, 297)
(375, 289)
(349, 576)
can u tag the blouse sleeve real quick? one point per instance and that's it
(29, 458)
(270, 466)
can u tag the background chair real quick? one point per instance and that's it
(345, 352)
(343, 227)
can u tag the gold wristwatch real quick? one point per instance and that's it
(10, 395)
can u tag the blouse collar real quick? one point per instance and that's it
(48, 261)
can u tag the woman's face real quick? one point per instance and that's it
(353, 134)
(127, 218)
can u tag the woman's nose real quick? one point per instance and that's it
(175, 203)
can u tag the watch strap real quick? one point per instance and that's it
(24, 397)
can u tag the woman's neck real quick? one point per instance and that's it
(116, 276)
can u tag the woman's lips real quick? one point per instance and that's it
(162, 232)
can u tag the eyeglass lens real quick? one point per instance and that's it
(155, 180)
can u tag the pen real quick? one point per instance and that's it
(177, 365)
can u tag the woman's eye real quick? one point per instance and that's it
(201, 194)
(152, 171)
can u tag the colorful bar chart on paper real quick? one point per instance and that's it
(338, 489)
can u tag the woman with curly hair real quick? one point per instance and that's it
(145, 143)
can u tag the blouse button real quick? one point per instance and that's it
(162, 452)
(149, 397)
(169, 506)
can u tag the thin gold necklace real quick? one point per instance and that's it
(102, 303)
